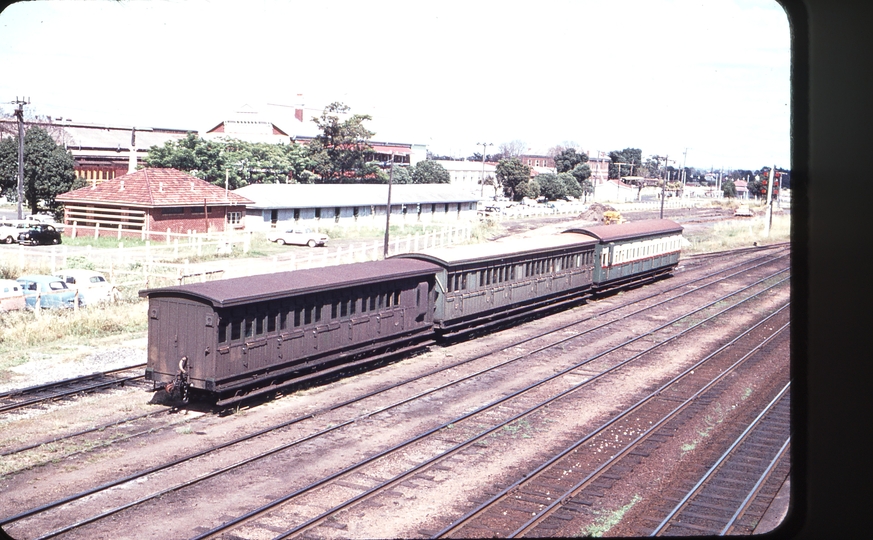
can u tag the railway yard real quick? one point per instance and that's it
(662, 409)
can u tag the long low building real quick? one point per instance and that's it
(327, 205)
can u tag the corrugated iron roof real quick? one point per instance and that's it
(152, 188)
(243, 290)
(268, 196)
(492, 251)
(622, 231)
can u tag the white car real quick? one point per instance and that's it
(93, 288)
(301, 236)
(11, 295)
(9, 230)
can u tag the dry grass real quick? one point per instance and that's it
(738, 233)
(26, 329)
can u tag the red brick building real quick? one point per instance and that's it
(152, 202)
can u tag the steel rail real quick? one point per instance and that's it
(333, 407)
(754, 491)
(495, 499)
(277, 502)
(720, 460)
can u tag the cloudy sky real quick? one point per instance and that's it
(707, 76)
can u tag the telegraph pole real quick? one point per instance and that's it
(19, 113)
(484, 146)
(388, 208)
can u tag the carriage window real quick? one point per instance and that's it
(222, 331)
(259, 325)
(307, 315)
(318, 313)
(271, 322)
(235, 327)
(297, 312)
(352, 305)
(373, 303)
(344, 308)
(396, 298)
(333, 309)
(249, 327)
(380, 300)
(283, 320)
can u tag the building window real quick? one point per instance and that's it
(234, 218)
(336, 214)
(296, 214)
(318, 213)
(172, 210)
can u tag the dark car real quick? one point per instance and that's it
(40, 233)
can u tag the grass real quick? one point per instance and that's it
(607, 521)
(25, 332)
(738, 233)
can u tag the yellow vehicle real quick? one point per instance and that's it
(611, 217)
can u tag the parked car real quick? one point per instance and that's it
(40, 233)
(93, 288)
(11, 295)
(50, 290)
(301, 236)
(9, 230)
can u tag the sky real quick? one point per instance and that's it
(704, 82)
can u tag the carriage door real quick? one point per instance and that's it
(187, 328)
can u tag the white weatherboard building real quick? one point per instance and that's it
(327, 205)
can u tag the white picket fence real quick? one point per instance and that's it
(161, 264)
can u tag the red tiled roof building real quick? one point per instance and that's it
(152, 202)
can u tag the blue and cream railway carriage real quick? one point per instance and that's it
(478, 282)
(628, 250)
(240, 331)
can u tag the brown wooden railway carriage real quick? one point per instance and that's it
(244, 332)
(481, 282)
(630, 250)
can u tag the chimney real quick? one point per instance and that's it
(298, 112)
(122, 186)
(192, 186)
(161, 186)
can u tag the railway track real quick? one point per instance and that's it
(538, 503)
(725, 493)
(39, 395)
(368, 477)
(315, 434)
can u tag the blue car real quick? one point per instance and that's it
(51, 291)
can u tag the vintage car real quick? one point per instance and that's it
(11, 295)
(93, 288)
(10, 229)
(301, 236)
(40, 233)
(49, 291)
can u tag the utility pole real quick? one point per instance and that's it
(388, 209)
(19, 113)
(482, 183)
(684, 159)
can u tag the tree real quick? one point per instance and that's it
(48, 168)
(550, 186)
(572, 186)
(239, 162)
(567, 159)
(512, 149)
(529, 189)
(339, 151)
(430, 172)
(402, 175)
(625, 162)
(512, 173)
